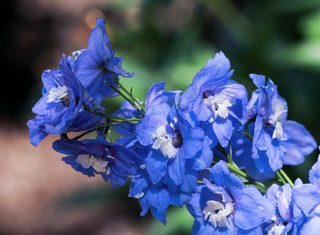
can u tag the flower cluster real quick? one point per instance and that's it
(208, 148)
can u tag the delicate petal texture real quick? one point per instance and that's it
(60, 108)
(276, 141)
(224, 207)
(114, 163)
(299, 143)
(94, 66)
(216, 100)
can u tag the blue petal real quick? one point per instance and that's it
(306, 197)
(222, 177)
(258, 80)
(114, 66)
(299, 143)
(314, 172)
(249, 203)
(176, 169)
(311, 225)
(99, 44)
(156, 166)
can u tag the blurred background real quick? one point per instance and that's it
(160, 40)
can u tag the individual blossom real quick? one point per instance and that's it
(228, 206)
(276, 140)
(155, 96)
(60, 110)
(177, 149)
(306, 203)
(156, 197)
(216, 101)
(94, 66)
(282, 220)
(96, 156)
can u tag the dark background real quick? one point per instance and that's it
(167, 40)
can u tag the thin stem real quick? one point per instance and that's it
(136, 101)
(280, 177)
(286, 177)
(115, 118)
(246, 135)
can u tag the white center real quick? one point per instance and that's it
(217, 213)
(164, 142)
(87, 160)
(276, 118)
(275, 229)
(220, 104)
(57, 93)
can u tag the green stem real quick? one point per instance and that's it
(133, 101)
(280, 177)
(93, 111)
(286, 177)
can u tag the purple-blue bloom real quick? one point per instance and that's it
(94, 66)
(156, 197)
(217, 101)
(276, 141)
(306, 203)
(178, 150)
(60, 108)
(282, 220)
(96, 156)
(228, 206)
(155, 96)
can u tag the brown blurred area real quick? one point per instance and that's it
(37, 189)
(39, 193)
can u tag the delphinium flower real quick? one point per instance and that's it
(60, 108)
(276, 141)
(306, 203)
(228, 206)
(174, 153)
(94, 66)
(96, 156)
(282, 220)
(216, 101)
(177, 148)
(155, 96)
(297, 209)
(157, 197)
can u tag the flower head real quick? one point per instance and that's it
(94, 66)
(177, 148)
(276, 141)
(227, 206)
(60, 108)
(90, 157)
(217, 101)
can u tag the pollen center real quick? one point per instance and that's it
(217, 214)
(218, 103)
(99, 165)
(59, 94)
(165, 143)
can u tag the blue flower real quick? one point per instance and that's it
(178, 150)
(60, 108)
(155, 96)
(276, 141)
(216, 100)
(227, 206)
(96, 156)
(156, 197)
(306, 203)
(281, 199)
(94, 66)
